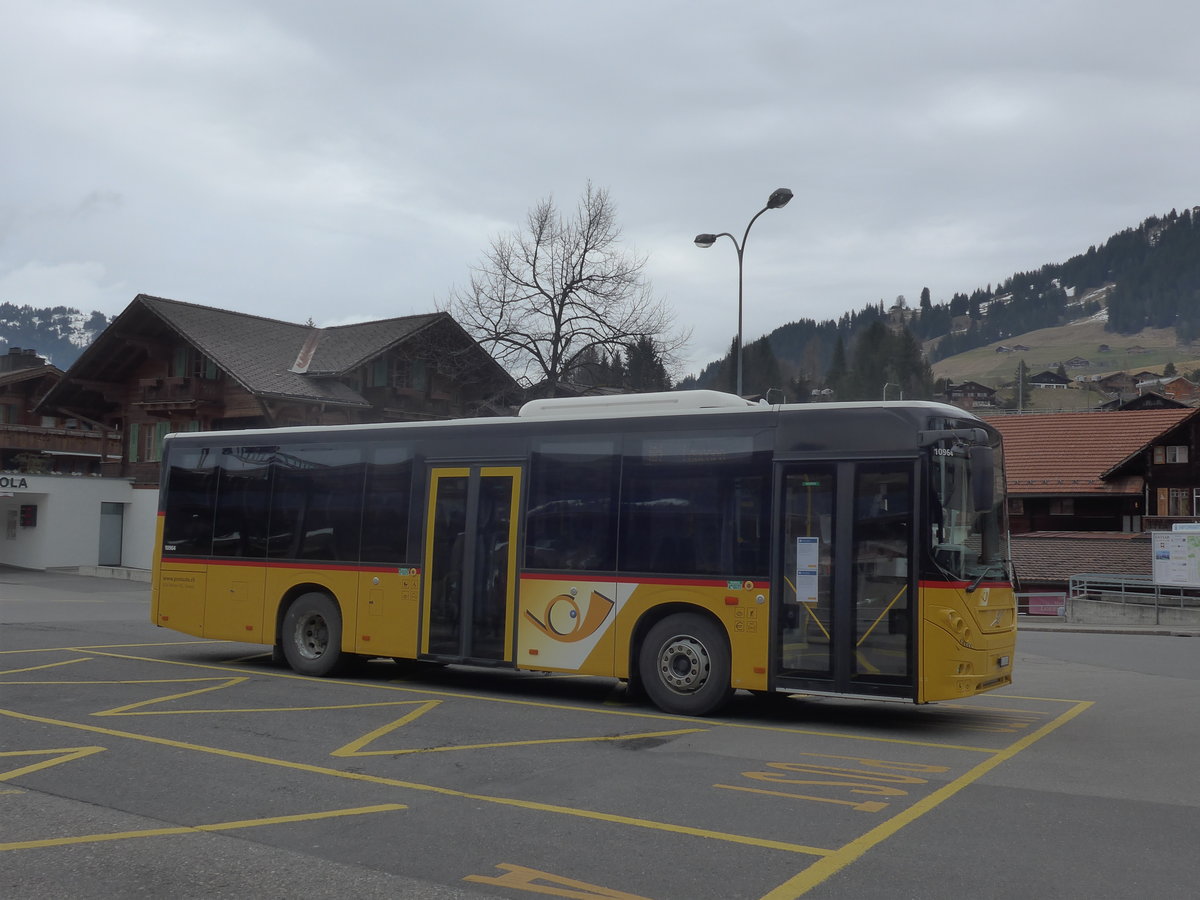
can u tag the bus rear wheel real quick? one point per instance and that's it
(684, 665)
(312, 635)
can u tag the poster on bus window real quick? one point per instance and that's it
(808, 551)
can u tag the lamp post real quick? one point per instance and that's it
(779, 198)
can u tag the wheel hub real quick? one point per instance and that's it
(312, 636)
(684, 664)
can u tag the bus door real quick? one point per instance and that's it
(470, 562)
(847, 579)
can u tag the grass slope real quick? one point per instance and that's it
(1083, 338)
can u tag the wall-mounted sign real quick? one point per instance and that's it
(14, 482)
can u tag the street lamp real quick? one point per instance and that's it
(779, 198)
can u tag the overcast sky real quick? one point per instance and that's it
(352, 161)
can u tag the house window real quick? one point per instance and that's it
(1062, 507)
(145, 440)
(190, 362)
(409, 374)
(6, 416)
(1179, 502)
(1177, 453)
(1016, 506)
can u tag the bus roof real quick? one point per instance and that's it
(615, 406)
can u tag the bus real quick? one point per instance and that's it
(691, 543)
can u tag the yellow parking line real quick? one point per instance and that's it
(74, 649)
(193, 829)
(65, 662)
(446, 792)
(839, 859)
(561, 706)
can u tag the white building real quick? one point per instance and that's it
(59, 521)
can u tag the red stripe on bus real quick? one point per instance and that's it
(274, 564)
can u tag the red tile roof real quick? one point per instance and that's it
(1067, 453)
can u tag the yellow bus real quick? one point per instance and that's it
(691, 543)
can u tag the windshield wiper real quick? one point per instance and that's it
(989, 567)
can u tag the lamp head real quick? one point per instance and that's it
(705, 240)
(779, 198)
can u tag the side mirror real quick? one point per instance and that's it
(983, 477)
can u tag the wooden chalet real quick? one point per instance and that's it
(164, 365)
(31, 441)
(1102, 471)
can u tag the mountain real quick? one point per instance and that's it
(57, 333)
(1138, 293)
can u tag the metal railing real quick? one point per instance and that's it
(1131, 598)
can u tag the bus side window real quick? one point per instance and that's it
(191, 498)
(386, 502)
(571, 518)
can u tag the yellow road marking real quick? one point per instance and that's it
(445, 792)
(65, 662)
(559, 706)
(354, 747)
(107, 647)
(523, 879)
(1044, 699)
(839, 859)
(65, 754)
(194, 829)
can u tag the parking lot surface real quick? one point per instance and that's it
(136, 762)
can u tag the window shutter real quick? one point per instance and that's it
(134, 428)
(160, 432)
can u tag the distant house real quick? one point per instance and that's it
(1077, 362)
(1151, 400)
(164, 366)
(1175, 387)
(971, 395)
(1101, 471)
(1020, 348)
(1004, 349)
(1048, 379)
(1104, 348)
(1122, 384)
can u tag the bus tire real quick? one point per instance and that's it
(684, 665)
(312, 635)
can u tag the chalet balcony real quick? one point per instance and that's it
(163, 396)
(145, 473)
(65, 441)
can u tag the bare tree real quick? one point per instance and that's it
(544, 298)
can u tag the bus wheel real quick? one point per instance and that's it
(312, 635)
(684, 665)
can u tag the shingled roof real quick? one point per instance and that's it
(260, 353)
(266, 357)
(1082, 452)
(1052, 557)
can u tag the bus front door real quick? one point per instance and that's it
(470, 563)
(845, 624)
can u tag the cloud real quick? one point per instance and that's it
(291, 159)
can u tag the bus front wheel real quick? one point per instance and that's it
(684, 665)
(312, 635)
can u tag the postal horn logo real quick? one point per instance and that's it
(563, 619)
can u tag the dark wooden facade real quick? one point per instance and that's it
(165, 366)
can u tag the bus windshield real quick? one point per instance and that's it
(968, 543)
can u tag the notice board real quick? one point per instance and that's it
(1176, 557)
